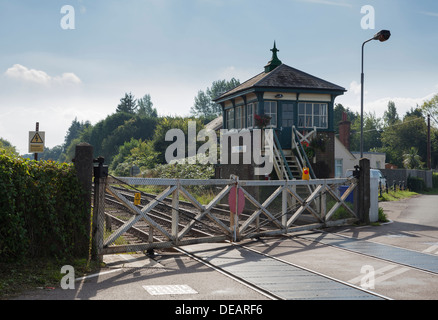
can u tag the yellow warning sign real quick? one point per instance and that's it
(36, 148)
(37, 139)
(137, 199)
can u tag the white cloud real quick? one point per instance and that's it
(402, 104)
(429, 13)
(355, 87)
(68, 78)
(20, 72)
(330, 3)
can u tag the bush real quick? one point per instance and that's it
(42, 212)
(416, 184)
(435, 180)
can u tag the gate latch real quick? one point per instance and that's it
(356, 172)
(101, 170)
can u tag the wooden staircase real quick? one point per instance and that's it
(293, 164)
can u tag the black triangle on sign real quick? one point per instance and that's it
(36, 139)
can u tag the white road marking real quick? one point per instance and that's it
(382, 274)
(432, 248)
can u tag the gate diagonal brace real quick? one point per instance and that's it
(204, 211)
(340, 201)
(305, 205)
(262, 208)
(138, 214)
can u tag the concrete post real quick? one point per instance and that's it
(83, 162)
(364, 191)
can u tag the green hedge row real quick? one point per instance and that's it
(416, 184)
(42, 212)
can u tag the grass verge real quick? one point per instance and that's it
(44, 274)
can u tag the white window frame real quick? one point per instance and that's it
(251, 110)
(272, 112)
(240, 117)
(309, 118)
(339, 168)
(230, 118)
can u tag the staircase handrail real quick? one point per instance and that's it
(302, 153)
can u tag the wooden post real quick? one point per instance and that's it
(234, 222)
(175, 214)
(100, 179)
(83, 162)
(284, 196)
(98, 216)
(37, 128)
(364, 191)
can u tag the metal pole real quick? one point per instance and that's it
(429, 162)
(37, 128)
(362, 78)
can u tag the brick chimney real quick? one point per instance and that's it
(344, 131)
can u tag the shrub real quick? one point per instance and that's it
(435, 180)
(416, 184)
(42, 212)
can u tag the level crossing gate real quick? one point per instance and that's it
(271, 207)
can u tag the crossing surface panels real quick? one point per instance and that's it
(279, 278)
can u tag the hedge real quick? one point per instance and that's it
(42, 212)
(416, 184)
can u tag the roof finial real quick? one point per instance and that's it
(275, 62)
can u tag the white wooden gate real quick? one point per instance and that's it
(271, 208)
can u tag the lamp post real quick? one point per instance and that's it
(382, 36)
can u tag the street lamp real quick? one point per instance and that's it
(382, 36)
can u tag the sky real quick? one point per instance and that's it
(75, 59)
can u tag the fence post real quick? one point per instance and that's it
(284, 195)
(100, 177)
(175, 214)
(364, 191)
(83, 163)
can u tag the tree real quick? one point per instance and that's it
(372, 129)
(144, 107)
(339, 110)
(127, 104)
(390, 116)
(417, 112)
(400, 137)
(134, 152)
(167, 123)
(431, 107)
(73, 132)
(135, 127)
(53, 154)
(7, 147)
(411, 159)
(204, 105)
